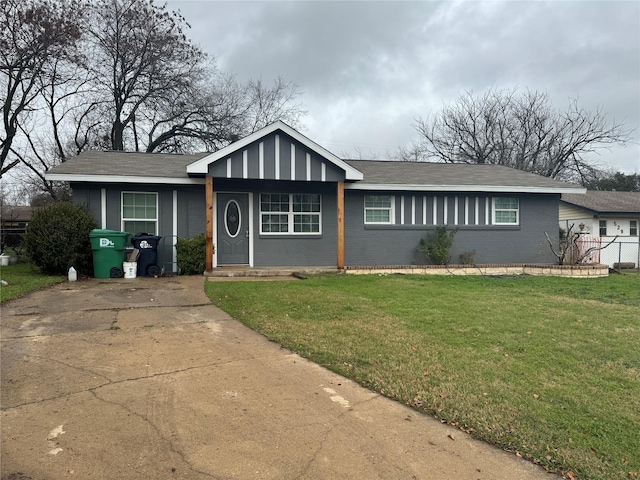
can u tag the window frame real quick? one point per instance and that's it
(124, 219)
(391, 209)
(602, 227)
(291, 214)
(633, 228)
(494, 211)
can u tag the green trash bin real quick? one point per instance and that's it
(109, 253)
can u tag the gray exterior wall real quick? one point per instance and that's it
(190, 210)
(396, 244)
(276, 162)
(364, 244)
(89, 196)
(290, 250)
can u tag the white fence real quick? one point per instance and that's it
(623, 252)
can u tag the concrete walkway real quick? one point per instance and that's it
(145, 379)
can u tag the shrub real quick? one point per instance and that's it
(58, 237)
(466, 258)
(437, 245)
(191, 255)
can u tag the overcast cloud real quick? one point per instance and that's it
(369, 69)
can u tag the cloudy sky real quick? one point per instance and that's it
(367, 70)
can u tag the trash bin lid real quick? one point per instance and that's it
(102, 232)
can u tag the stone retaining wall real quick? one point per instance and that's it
(591, 271)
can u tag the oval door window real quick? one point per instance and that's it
(232, 218)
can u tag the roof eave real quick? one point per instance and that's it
(463, 188)
(600, 212)
(62, 177)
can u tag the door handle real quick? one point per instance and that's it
(247, 233)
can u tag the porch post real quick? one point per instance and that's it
(209, 224)
(340, 224)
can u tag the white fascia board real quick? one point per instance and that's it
(63, 177)
(202, 165)
(462, 188)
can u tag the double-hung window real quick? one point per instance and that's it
(378, 209)
(506, 211)
(140, 212)
(602, 224)
(633, 228)
(296, 213)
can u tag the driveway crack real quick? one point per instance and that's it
(155, 428)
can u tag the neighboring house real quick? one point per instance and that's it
(600, 217)
(13, 224)
(276, 198)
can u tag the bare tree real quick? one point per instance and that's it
(138, 53)
(519, 130)
(33, 34)
(265, 105)
(132, 80)
(159, 91)
(569, 252)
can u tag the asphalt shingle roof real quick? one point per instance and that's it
(128, 164)
(425, 173)
(391, 173)
(605, 202)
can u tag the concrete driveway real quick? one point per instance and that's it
(145, 379)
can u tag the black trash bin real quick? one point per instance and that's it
(147, 246)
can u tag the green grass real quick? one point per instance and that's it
(23, 278)
(545, 367)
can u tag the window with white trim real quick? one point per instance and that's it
(506, 211)
(140, 212)
(378, 209)
(633, 228)
(290, 213)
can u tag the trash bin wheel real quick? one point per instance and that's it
(116, 272)
(153, 271)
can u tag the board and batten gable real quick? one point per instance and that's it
(276, 157)
(396, 244)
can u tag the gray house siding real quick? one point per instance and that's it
(416, 208)
(396, 244)
(286, 249)
(89, 196)
(190, 210)
(278, 150)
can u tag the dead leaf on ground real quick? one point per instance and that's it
(451, 436)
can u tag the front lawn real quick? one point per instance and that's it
(23, 278)
(548, 368)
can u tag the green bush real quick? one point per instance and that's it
(58, 237)
(191, 255)
(438, 244)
